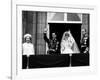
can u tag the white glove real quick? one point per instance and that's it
(45, 30)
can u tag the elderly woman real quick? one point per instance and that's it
(68, 44)
(28, 48)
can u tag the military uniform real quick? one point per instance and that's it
(85, 44)
(52, 44)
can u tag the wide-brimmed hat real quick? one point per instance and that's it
(27, 35)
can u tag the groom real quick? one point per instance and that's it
(52, 43)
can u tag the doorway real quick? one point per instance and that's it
(60, 28)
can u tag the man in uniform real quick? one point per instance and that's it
(52, 43)
(85, 42)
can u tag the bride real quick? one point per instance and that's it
(68, 44)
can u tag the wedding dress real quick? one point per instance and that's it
(68, 44)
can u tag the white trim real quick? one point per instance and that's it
(48, 72)
(78, 22)
(65, 16)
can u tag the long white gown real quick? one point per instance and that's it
(68, 45)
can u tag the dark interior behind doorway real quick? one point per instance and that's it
(60, 28)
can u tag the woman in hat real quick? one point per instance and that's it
(28, 47)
